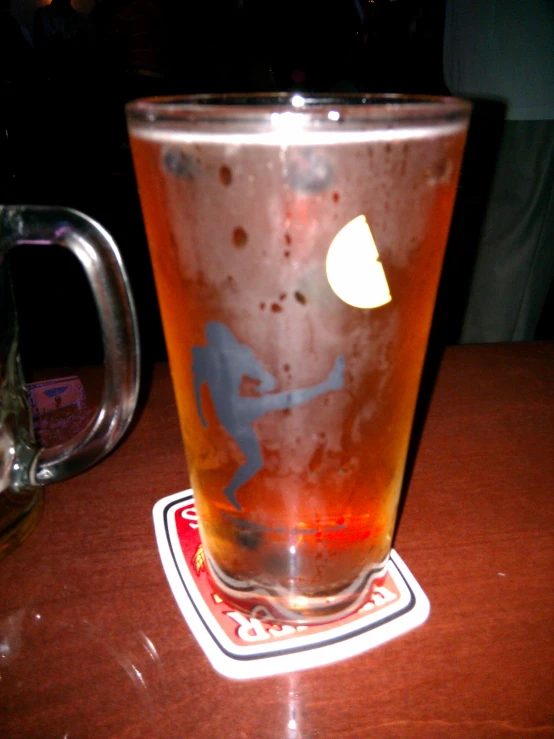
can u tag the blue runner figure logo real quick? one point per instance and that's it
(222, 364)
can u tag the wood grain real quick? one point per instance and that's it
(92, 643)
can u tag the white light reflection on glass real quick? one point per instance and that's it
(333, 115)
(298, 101)
(149, 646)
(139, 675)
(287, 121)
(293, 728)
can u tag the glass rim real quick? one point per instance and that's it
(334, 110)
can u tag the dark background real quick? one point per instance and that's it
(63, 137)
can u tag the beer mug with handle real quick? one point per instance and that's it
(25, 467)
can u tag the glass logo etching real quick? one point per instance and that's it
(221, 364)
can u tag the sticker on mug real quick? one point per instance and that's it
(354, 271)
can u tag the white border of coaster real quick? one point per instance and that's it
(307, 649)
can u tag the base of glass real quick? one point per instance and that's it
(24, 515)
(287, 607)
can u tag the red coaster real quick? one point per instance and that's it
(242, 647)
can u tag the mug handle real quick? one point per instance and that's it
(96, 250)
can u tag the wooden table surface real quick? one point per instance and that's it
(92, 643)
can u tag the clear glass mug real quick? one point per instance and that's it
(297, 244)
(25, 467)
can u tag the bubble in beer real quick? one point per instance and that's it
(439, 172)
(314, 465)
(240, 237)
(309, 171)
(225, 175)
(232, 283)
(178, 163)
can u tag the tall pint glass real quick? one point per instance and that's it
(297, 244)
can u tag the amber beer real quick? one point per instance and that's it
(297, 247)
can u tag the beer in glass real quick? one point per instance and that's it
(297, 245)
